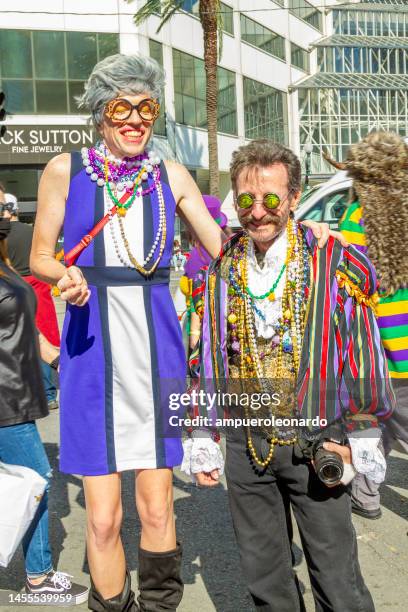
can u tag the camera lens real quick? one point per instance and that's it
(328, 465)
(330, 473)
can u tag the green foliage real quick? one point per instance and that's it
(165, 9)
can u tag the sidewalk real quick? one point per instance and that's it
(213, 580)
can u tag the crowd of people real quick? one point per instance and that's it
(280, 310)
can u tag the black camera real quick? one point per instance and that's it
(328, 464)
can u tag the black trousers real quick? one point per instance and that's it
(259, 502)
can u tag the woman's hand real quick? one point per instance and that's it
(322, 232)
(73, 287)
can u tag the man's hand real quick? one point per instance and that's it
(340, 449)
(322, 232)
(207, 479)
(73, 287)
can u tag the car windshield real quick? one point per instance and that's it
(306, 194)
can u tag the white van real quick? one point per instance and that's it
(327, 201)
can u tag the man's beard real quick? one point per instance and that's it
(274, 225)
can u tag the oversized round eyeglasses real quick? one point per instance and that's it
(120, 109)
(270, 200)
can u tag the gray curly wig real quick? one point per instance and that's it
(378, 166)
(130, 74)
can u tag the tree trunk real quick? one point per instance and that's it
(208, 17)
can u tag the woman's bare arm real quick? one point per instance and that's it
(52, 195)
(191, 208)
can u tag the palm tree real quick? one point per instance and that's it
(211, 22)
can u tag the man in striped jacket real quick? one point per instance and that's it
(293, 324)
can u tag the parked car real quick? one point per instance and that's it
(327, 201)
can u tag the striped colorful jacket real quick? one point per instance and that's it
(343, 370)
(391, 311)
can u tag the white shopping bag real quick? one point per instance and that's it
(21, 490)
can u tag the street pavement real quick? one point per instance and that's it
(213, 580)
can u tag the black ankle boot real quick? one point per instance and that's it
(160, 584)
(124, 602)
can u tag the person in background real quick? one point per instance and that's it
(376, 223)
(19, 247)
(199, 259)
(179, 259)
(22, 401)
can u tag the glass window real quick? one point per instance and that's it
(192, 6)
(15, 54)
(190, 86)
(227, 18)
(51, 97)
(313, 214)
(265, 111)
(45, 57)
(49, 55)
(156, 52)
(81, 54)
(19, 96)
(108, 44)
(299, 57)
(337, 22)
(259, 36)
(75, 88)
(307, 12)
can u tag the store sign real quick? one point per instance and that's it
(25, 144)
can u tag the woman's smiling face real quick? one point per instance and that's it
(129, 137)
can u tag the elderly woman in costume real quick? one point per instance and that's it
(121, 349)
(121, 334)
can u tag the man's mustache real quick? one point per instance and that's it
(268, 218)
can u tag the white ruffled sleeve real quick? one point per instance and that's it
(201, 454)
(366, 454)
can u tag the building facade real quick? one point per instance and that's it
(48, 48)
(360, 80)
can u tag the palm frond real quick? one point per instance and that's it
(164, 9)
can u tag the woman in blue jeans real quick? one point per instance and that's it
(22, 401)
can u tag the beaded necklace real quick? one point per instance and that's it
(291, 323)
(126, 175)
(270, 294)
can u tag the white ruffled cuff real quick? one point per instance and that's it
(367, 457)
(201, 455)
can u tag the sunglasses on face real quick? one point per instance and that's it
(270, 200)
(120, 109)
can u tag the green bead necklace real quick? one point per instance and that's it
(269, 294)
(122, 208)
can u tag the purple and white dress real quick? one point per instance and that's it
(122, 353)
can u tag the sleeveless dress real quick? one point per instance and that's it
(122, 354)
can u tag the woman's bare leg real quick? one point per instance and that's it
(154, 501)
(105, 553)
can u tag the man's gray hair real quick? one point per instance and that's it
(261, 153)
(128, 74)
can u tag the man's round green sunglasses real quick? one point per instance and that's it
(270, 200)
